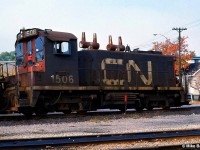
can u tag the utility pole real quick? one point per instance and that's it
(179, 52)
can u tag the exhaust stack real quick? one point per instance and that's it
(90, 45)
(112, 47)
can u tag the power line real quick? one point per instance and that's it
(193, 23)
(169, 33)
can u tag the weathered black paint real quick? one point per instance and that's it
(91, 73)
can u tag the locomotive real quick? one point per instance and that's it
(52, 75)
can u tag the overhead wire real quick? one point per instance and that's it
(169, 33)
(193, 23)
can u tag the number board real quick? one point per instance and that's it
(26, 33)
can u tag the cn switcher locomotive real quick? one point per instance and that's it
(51, 75)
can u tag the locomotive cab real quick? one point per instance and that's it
(46, 61)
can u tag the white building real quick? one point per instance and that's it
(193, 78)
(194, 85)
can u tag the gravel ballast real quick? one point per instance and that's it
(108, 124)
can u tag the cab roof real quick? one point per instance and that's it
(26, 34)
(58, 36)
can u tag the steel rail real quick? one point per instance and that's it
(18, 117)
(96, 138)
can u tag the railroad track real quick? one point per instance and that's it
(97, 139)
(18, 117)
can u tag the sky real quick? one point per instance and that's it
(134, 20)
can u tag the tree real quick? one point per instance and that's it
(171, 48)
(7, 56)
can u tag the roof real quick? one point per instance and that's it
(196, 58)
(192, 68)
(59, 36)
(194, 74)
(26, 34)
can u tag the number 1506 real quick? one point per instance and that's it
(62, 79)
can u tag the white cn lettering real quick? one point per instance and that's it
(132, 63)
(103, 67)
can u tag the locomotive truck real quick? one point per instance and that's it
(51, 74)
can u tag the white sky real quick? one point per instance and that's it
(135, 20)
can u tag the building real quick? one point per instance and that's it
(193, 78)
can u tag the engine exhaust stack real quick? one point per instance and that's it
(120, 47)
(112, 47)
(90, 45)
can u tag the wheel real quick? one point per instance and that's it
(123, 110)
(67, 111)
(166, 107)
(149, 107)
(40, 111)
(27, 113)
(82, 112)
(139, 108)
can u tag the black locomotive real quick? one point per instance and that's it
(52, 75)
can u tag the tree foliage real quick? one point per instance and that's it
(7, 56)
(172, 48)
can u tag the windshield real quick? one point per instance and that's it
(37, 49)
(39, 45)
(19, 54)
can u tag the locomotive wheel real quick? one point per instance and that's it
(67, 111)
(122, 110)
(4, 104)
(139, 108)
(40, 108)
(166, 107)
(149, 107)
(26, 111)
(40, 111)
(82, 112)
(27, 114)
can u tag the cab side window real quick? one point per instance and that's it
(62, 48)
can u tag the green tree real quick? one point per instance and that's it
(7, 56)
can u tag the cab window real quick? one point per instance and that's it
(29, 48)
(19, 54)
(29, 45)
(62, 48)
(39, 45)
